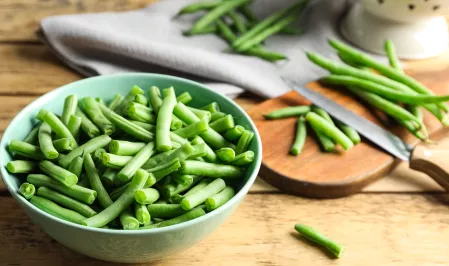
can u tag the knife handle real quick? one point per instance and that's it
(433, 160)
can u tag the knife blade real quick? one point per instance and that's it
(381, 137)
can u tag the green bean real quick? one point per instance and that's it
(83, 180)
(420, 134)
(114, 161)
(142, 214)
(56, 125)
(20, 166)
(25, 149)
(100, 101)
(244, 141)
(150, 181)
(140, 106)
(146, 126)
(178, 139)
(164, 118)
(223, 124)
(217, 12)
(261, 26)
(352, 134)
(123, 147)
(182, 153)
(210, 169)
(77, 192)
(322, 125)
(289, 30)
(175, 187)
(230, 37)
(154, 94)
(155, 160)
(66, 202)
(70, 104)
(226, 154)
(136, 162)
(243, 158)
(140, 98)
(163, 170)
(86, 125)
(238, 21)
(217, 115)
(193, 214)
(175, 199)
(58, 173)
(146, 195)
(300, 137)
(326, 143)
(119, 205)
(211, 137)
(116, 193)
(385, 70)
(195, 7)
(210, 154)
(383, 91)
(76, 166)
(267, 32)
(108, 177)
(63, 144)
(219, 199)
(390, 49)
(234, 133)
(121, 109)
(314, 236)
(128, 221)
(95, 182)
(201, 114)
(207, 30)
(247, 13)
(165, 210)
(74, 125)
(32, 137)
(52, 208)
(127, 126)
(193, 129)
(185, 180)
(45, 142)
(321, 112)
(27, 190)
(292, 111)
(140, 114)
(200, 185)
(184, 98)
(191, 201)
(88, 147)
(118, 99)
(200, 151)
(213, 107)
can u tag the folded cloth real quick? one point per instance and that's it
(151, 40)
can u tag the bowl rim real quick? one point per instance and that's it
(239, 195)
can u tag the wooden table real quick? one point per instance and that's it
(401, 220)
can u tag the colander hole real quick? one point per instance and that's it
(411, 7)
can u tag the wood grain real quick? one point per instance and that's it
(412, 230)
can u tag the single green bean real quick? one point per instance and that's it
(116, 193)
(217, 115)
(207, 30)
(352, 134)
(213, 107)
(226, 154)
(74, 125)
(243, 158)
(20, 166)
(238, 21)
(121, 109)
(141, 115)
(70, 104)
(234, 133)
(200, 151)
(118, 99)
(146, 195)
(326, 143)
(140, 98)
(66, 202)
(128, 221)
(175, 187)
(223, 124)
(387, 71)
(150, 181)
(210, 169)
(182, 153)
(219, 199)
(175, 199)
(86, 148)
(390, 49)
(26, 150)
(210, 154)
(193, 129)
(27, 190)
(146, 126)
(292, 111)
(300, 137)
(195, 7)
(45, 142)
(32, 137)
(136, 162)
(201, 114)
(311, 234)
(163, 170)
(155, 160)
(77, 192)
(95, 182)
(184, 98)
(140, 106)
(244, 142)
(164, 118)
(58, 173)
(64, 144)
(76, 166)
(122, 147)
(154, 94)
(114, 161)
(142, 214)
(193, 214)
(217, 12)
(185, 180)
(321, 112)
(86, 125)
(108, 177)
(165, 210)
(84, 181)
(322, 125)
(52, 208)
(191, 201)
(56, 125)
(123, 202)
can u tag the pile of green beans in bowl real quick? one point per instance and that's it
(144, 160)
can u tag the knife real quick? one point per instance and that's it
(430, 159)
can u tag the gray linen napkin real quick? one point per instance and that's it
(150, 40)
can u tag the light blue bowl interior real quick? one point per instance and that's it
(106, 87)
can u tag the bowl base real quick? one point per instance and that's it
(418, 40)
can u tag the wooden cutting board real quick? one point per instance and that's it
(314, 173)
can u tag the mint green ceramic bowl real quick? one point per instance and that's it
(120, 245)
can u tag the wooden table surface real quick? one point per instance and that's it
(402, 219)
